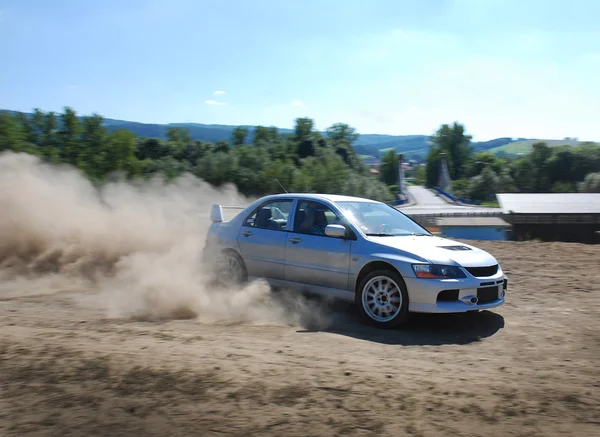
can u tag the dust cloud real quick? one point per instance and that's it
(133, 248)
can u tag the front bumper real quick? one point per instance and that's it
(456, 295)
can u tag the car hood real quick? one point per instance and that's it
(438, 250)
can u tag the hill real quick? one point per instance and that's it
(524, 146)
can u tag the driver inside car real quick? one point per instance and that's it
(315, 221)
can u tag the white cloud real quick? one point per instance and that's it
(219, 93)
(298, 103)
(214, 102)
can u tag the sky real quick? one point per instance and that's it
(503, 68)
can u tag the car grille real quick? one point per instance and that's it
(482, 272)
(487, 294)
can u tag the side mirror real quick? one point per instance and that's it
(216, 214)
(336, 231)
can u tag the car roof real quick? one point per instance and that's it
(312, 196)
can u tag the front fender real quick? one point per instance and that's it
(401, 263)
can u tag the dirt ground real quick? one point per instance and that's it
(528, 368)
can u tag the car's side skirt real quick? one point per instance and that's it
(299, 287)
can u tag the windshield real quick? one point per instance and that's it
(378, 219)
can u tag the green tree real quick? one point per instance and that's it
(420, 176)
(12, 136)
(50, 137)
(179, 135)
(239, 136)
(120, 153)
(389, 168)
(483, 186)
(28, 133)
(38, 122)
(150, 148)
(303, 129)
(525, 176)
(341, 132)
(478, 161)
(432, 167)
(94, 142)
(539, 156)
(70, 137)
(222, 146)
(506, 183)
(590, 184)
(261, 136)
(456, 144)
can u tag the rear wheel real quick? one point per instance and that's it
(382, 299)
(231, 269)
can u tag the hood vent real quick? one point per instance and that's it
(455, 248)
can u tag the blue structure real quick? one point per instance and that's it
(474, 228)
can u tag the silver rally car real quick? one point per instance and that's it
(355, 249)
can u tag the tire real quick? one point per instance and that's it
(231, 269)
(381, 308)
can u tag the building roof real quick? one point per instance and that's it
(549, 203)
(495, 222)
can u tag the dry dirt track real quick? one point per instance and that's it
(528, 369)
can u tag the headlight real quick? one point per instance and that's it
(435, 271)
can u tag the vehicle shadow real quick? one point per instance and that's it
(422, 330)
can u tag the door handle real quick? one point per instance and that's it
(295, 240)
(246, 233)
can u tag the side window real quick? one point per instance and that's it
(312, 218)
(270, 215)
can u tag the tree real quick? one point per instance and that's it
(120, 153)
(484, 185)
(69, 136)
(94, 142)
(28, 133)
(260, 136)
(150, 148)
(239, 136)
(539, 156)
(342, 131)
(506, 184)
(11, 134)
(222, 147)
(179, 135)
(389, 168)
(38, 122)
(524, 176)
(591, 183)
(266, 137)
(303, 129)
(50, 137)
(456, 144)
(432, 167)
(478, 161)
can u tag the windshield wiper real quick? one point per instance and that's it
(417, 234)
(379, 235)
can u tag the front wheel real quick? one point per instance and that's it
(382, 299)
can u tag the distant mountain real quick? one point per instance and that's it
(205, 132)
(371, 147)
(412, 146)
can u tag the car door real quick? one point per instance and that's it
(311, 257)
(262, 239)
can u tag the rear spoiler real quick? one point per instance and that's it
(216, 212)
